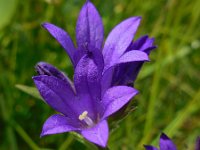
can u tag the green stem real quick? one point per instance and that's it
(67, 143)
(25, 136)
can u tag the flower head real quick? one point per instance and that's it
(80, 104)
(122, 56)
(101, 73)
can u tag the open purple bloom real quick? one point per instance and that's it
(101, 75)
(164, 144)
(123, 58)
(81, 105)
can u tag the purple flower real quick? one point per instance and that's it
(123, 58)
(165, 144)
(101, 74)
(81, 106)
(125, 74)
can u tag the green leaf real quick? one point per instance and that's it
(65, 145)
(7, 10)
(25, 136)
(29, 90)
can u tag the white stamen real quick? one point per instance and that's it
(84, 117)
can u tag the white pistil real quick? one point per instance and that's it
(86, 119)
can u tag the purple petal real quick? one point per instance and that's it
(130, 56)
(44, 68)
(89, 29)
(133, 56)
(148, 44)
(106, 81)
(127, 69)
(97, 134)
(148, 50)
(144, 43)
(116, 97)
(122, 74)
(125, 74)
(129, 66)
(78, 55)
(119, 39)
(197, 147)
(62, 37)
(166, 143)
(57, 94)
(148, 147)
(92, 51)
(138, 43)
(88, 74)
(57, 124)
(87, 79)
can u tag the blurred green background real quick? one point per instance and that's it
(169, 99)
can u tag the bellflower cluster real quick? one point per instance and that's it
(166, 143)
(102, 75)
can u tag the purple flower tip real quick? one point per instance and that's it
(164, 136)
(197, 147)
(148, 147)
(165, 143)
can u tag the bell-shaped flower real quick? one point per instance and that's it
(122, 56)
(81, 105)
